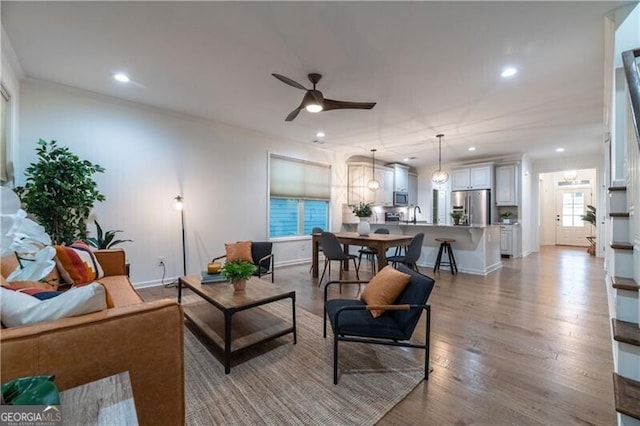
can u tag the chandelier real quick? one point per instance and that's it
(373, 184)
(440, 176)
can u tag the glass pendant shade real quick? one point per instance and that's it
(373, 185)
(439, 176)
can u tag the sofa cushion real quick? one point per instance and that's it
(77, 264)
(120, 291)
(239, 251)
(20, 309)
(384, 288)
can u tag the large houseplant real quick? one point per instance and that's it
(60, 192)
(104, 240)
(590, 215)
(238, 272)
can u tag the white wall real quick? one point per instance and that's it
(152, 155)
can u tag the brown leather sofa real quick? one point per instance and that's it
(143, 338)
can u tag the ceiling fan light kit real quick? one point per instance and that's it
(314, 100)
(440, 176)
(373, 184)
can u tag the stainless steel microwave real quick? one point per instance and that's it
(400, 199)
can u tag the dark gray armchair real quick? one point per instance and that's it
(351, 320)
(261, 253)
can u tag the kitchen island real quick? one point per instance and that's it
(476, 250)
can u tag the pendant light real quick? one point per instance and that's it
(373, 184)
(440, 176)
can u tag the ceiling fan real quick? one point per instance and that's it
(314, 101)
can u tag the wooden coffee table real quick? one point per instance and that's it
(258, 327)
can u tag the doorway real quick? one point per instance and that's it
(571, 205)
(564, 197)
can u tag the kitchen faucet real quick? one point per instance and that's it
(414, 213)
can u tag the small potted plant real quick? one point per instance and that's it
(363, 211)
(457, 215)
(238, 272)
(506, 217)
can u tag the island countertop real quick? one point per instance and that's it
(476, 247)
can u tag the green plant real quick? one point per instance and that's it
(457, 215)
(104, 240)
(238, 270)
(590, 215)
(362, 209)
(60, 192)
(506, 215)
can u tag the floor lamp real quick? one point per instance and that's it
(180, 206)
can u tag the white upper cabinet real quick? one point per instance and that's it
(506, 193)
(358, 177)
(401, 178)
(477, 177)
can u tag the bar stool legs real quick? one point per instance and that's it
(445, 247)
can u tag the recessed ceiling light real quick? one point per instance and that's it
(320, 134)
(121, 77)
(559, 149)
(509, 72)
(472, 148)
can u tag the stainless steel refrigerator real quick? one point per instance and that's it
(475, 204)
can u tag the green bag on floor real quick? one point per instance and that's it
(35, 390)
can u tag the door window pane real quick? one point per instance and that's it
(573, 208)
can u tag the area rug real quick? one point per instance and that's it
(292, 384)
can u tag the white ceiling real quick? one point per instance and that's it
(431, 66)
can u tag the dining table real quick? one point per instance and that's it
(380, 242)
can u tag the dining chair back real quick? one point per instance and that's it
(412, 255)
(371, 252)
(333, 251)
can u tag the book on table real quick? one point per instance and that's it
(207, 278)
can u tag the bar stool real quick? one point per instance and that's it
(445, 246)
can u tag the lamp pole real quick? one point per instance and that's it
(180, 206)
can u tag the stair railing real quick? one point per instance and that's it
(633, 82)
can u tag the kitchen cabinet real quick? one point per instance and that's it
(401, 178)
(413, 189)
(506, 193)
(476, 177)
(358, 177)
(510, 240)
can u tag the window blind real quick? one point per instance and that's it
(292, 178)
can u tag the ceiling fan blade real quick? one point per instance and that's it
(287, 80)
(330, 104)
(293, 114)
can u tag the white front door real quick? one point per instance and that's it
(571, 204)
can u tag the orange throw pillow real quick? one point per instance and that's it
(239, 251)
(77, 264)
(384, 288)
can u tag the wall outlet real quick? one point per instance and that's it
(161, 261)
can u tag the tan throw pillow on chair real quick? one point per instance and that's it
(239, 251)
(384, 288)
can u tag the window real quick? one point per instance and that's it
(4, 134)
(298, 196)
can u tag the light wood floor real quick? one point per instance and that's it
(528, 344)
